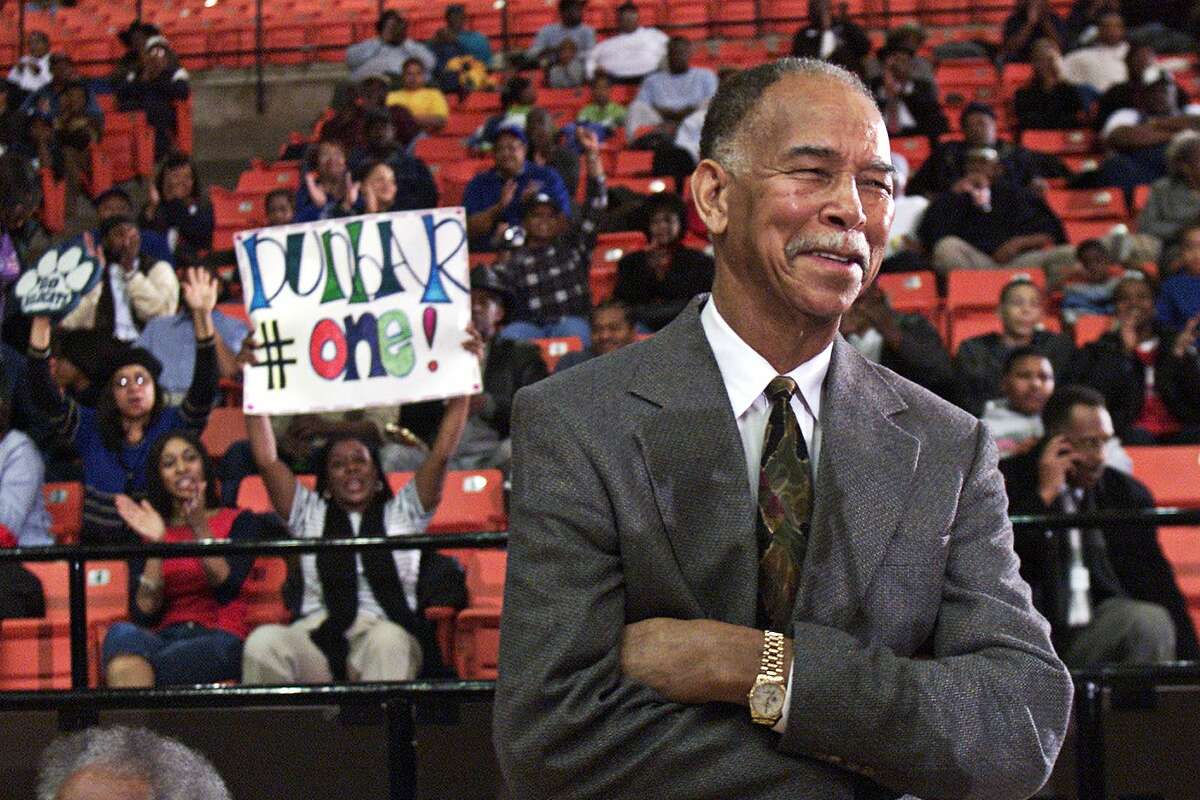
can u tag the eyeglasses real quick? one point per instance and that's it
(125, 380)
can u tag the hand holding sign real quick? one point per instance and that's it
(62, 277)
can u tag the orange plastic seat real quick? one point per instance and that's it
(263, 591)
(1060, 143)
(915, 150)
(1079, 204)
(64, 501)
(1080, 230)
(911, 292)
(976, 323)
(440, 149)
(235, 211)
(477, 629)
(633, 163)
(225, 426)
(1090, 327)
(979, 289)
(1172, 473)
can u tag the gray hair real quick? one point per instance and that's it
(737, 98)
(1182, 147)
(173, 771)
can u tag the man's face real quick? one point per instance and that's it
(1021, 311)
(74, 101)
(979, 129)
(331, 162)
(567, 51)
(372, 93)
(664, 227)
(679, 55)
(1190, 252)
(808, 208)
(414, 76)
(1088, 430)
(487, 312)
(123, 242)
(509, 153)
(279, 210)
(899, 64)
(1046, 61)
(114, 206)
(571, 14)
(543, 223)
(178, 182)
(601, 91)
(1095, 263)
(395, 30)
(627, 21)
(1134, 303)
(1111, 30)
(1028, 384)
(382, 181)
(611, 330)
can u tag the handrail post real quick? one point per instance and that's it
(20, 28)
(1089, 739)
(260, 100)
(77, 598)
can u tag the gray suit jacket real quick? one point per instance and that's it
(920, 663)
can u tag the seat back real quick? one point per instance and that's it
(64, 501)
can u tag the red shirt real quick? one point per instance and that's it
(1155, 417)
(187, 597)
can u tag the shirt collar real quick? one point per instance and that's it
(746, 373)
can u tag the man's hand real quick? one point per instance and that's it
(694, 661)
(1020, 244)
(1053, 467)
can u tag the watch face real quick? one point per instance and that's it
(767, 699)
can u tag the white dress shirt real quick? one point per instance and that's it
(746, 375)
(629, 55)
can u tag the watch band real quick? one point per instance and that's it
(770, 665)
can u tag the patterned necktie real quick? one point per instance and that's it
(785, 504)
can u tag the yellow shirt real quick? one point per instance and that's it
(427, 102)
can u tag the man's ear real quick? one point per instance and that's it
(710, 190)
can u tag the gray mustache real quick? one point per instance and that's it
(849, 242)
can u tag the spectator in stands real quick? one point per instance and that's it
(1049, 101)
(280, 207)
(985, 222)
(1031, 20)
(178, 207)
(415, 187)
(632, 53)
(81, 363)
(547, 149)
(114, 439)
(833, 39)
(120, 763)
(187, 616)
(1101, 65)
(1174, 200)
(135, 290)
(603, 115)
(22, 238)
(1083, 20)
(494, 198)
(907, 344)
(910, 36)
(74, 133)
(569, 70)
(657, 282)
(1141, 65)
(471, 43)
(134, 40)
(571, 26)
(24, 521)
(1109, 596)
(329, 190)
(361, 616)
(12, 121)
(979, 363)
(154, 87)
(365, 101)
(667, 97)
(1015, 418)
(172, 340)
(909, 105)
(426, 103)
(39, 144)
(1088, 288)
(1179, 297)
(116, 202)
(1137, 136)
(612, 328)
(946, 166)
(517, 99)
(387, 52)
(32, 70)
(45, 101)
(507, 366)
(547, 273)
(1148, 373)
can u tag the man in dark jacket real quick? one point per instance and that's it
(1109, 596)
(833, 39)
(909, 105)
(507, 365)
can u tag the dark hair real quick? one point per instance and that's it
(321, 464)
(108, 416)
(1017, 283)
(664, 201)
(157, 492)
(513, 89)
(364, 169)
(738, 96)
(391, 13)
(413, 60)
(1091, 244)
(1016, 354)
(291, 198)
(175, 161)
(611, 304)
(1057, 411)
(19, 184)
(5, 416)
(115, 191)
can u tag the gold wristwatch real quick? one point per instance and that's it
(770, 687)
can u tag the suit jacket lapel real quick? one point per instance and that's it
(694, 456)
(867, 463)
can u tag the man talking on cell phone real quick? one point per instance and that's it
(744, 561)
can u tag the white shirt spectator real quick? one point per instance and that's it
(691, 89)
(375, 56)
(1100, 66)
(30, 74)
(550, 36)
(629, 55)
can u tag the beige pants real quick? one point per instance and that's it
(952, 253)
(380, 650)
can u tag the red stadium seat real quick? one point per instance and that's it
(235, 211)
(1060, 143)
(912, 292)
(1090, 327)
(225, 426)
(440, 149)
(64, 501)
(477, 630)
(979, 289)
(1172, 473)
(915, 150)
(976, 323)
(632, 163)
(263, 590)
(1080, 230)
(1089, 204)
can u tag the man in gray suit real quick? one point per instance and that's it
(652, 497)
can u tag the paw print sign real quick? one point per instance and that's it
(62, 277)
